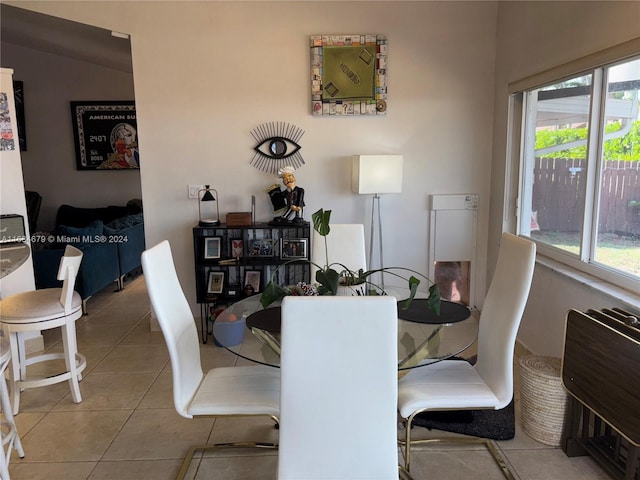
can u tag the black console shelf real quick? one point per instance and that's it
(227, 258)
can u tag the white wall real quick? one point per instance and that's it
(49, 163)
(206, 73)
(532, 37)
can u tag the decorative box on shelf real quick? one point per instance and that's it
(238, 219)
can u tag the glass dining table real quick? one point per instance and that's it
(423, 337)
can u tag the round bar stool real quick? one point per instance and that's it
(9, 435)
(42, 310)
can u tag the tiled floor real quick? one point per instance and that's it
(127, 429)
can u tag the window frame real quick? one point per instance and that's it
(515, 178)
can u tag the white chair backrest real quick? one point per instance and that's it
(67, 272)
(345, 245)
(502, 312)
(176, 321)
(338, 393)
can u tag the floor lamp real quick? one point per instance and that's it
(376, 174)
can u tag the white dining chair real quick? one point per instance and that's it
(457, 385)
(339, 381)
(44, 309)
(345, 245)
(222, 391)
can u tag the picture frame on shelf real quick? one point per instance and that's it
(293, 248)
(215, 283)
(264, 247)
(236, 247)
(253, 278)
(212, 247)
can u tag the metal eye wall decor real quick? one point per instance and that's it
(277, 146)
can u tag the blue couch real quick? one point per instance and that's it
(111, 239)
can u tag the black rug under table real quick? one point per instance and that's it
(491, 424)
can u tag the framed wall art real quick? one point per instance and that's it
(212, 247)
(237, 247)
(348, 74)
(293, 248)
(105, 135)
(216, 282)
(7, 135)
(265, 247)
(18, 96)
(253, 278)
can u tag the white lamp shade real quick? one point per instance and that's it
(376, 174)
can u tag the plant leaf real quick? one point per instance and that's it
(413, 289)
(272, 293)
(433, 302)
(321, 221)
(328, 279)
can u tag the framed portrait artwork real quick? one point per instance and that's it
(293, 248)
(105, 135)
(216, 282)
(253, 278)
(265, 247)
(211, 247)
(348, 74)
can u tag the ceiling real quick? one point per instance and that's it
(64, 37)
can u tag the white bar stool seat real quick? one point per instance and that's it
(9, 435)
(43, 310)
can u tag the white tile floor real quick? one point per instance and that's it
(127, 429)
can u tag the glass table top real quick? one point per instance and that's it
(423, 338)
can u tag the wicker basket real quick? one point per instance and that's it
(543, 399)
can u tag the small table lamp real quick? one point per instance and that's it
(208, 216)
(375, 174)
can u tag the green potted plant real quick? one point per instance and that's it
(330, 277)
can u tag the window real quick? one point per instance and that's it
(579, 195)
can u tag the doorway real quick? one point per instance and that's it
(60, 61)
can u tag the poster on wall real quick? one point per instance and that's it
(18, 96)
(6, 129)
(348, 74)
(105, 135)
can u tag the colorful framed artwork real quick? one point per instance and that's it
(216, 282)
(7, 136)
(348, 74)
(211, 248)
(293, 248)
(236, 247)
(105, 135)
(253, 278)
(265, 247)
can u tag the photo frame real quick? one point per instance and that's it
(293, 248)
(105, 135)
(253, 278)
(264, 247)
(349, 74)
(216, 282)
(212, 247)
(236, 247)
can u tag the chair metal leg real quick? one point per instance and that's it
(403, 474)
(192, 451)
(504, 468)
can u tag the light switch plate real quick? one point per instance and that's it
(193, 190)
